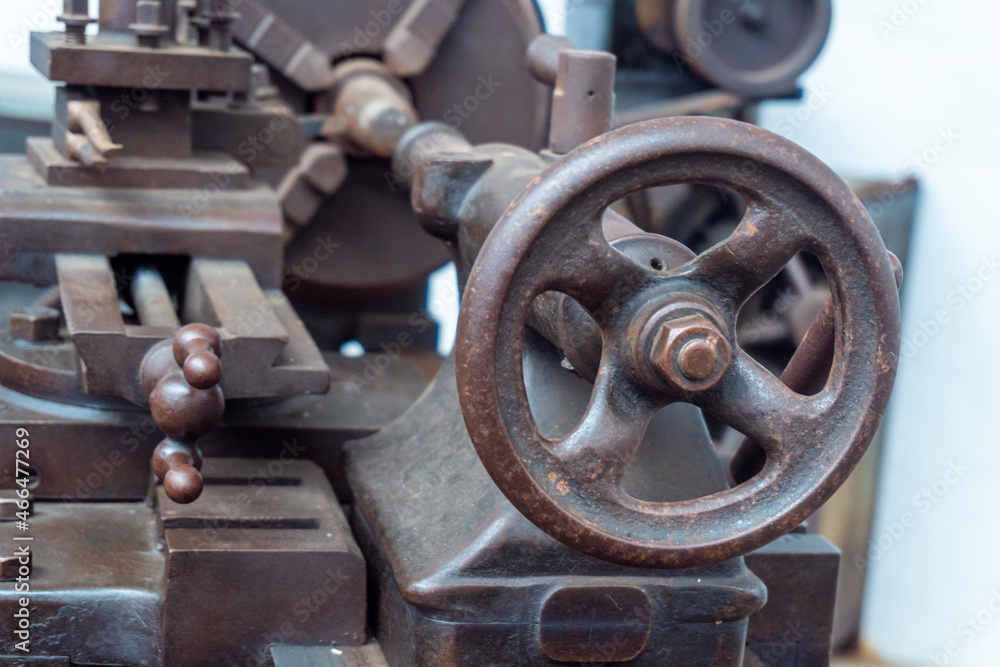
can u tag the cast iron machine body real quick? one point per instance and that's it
(651, 325)
(549, 495)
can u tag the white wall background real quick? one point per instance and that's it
(903, 86)
(901, 76)
(23, 92)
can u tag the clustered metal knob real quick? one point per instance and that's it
(186, 403)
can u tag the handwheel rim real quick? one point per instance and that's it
(728, 523)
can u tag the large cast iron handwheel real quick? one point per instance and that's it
(668, 335)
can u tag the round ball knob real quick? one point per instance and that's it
(196, 338)
(178, 465)
(184, 412)
(203, 370)
(170, 452)
(183, 484)
(158, 362)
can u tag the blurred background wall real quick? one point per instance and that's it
(903, 87)
(908, 87)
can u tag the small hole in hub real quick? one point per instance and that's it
(656, 263)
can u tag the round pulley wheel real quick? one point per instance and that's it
(753, 47)
(669, 335)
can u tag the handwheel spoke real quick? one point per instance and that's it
(606, 439)
(752, 255)
(599, 277)
(757, 404)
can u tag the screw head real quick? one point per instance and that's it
(690, 353)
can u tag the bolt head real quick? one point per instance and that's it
(697, 359)
(35, 324)
(690, 353)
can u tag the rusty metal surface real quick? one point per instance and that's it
(846, 519)
(413, 42)
(159, 127)
(39, 222)
(763, 46)
(268, 350)
(319, 172)
(104, 592)
(582, 99)
(186, 402)
(110, 440)
(193, 173)
(97, 585)
(371, 232)
(112, 448)
(477, 80)
(225, 127)
(794, 628)
(805, 373)
(474, 582)
(111, 59)
(551, 239)
(164, 235)
(371, 108)
(270, 555)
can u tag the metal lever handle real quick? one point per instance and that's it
(186, 403)
(583, 97)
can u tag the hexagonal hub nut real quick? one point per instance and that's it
(690, 353)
